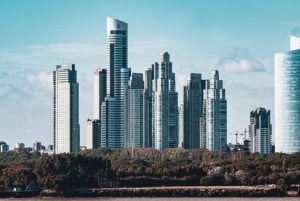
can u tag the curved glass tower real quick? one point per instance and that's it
(287, 99)
(113, 107)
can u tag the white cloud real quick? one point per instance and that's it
(239, 61)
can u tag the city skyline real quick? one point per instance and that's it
(30, 47)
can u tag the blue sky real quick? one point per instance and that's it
(239, 38)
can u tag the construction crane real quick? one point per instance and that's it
(236, 136)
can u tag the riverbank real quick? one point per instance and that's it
(170, 191)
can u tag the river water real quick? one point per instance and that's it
(155, 199)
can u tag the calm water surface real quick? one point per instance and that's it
(156, 199)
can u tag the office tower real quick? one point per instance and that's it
(99, 91)
(66, 109)
(164, 105)
(260, 131)
(180, 125)
(134, 111)
(93, 134)
(113, 108)
(173, 113)
(215, 113)
(148, 108)
(37, 146)
(3, 146)
(287, 99)
(192, 100)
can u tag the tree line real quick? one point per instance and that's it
(147, 167)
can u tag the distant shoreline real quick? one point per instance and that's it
(170, 191)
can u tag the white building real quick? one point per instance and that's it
(215, 114)
(287, 99)
(134, 111)
(164, 105)
(66, 109)
(113, 108)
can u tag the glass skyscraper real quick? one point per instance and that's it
(134, 111)
(193, 110)
(260, 131)
(287, 99)
(66, 109)
(148, 108)
(113, 108)
(215, 114)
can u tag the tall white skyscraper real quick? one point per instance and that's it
(215, 114)
(113, 108)
(287, 99)
(66, 109)
(134, 111)
(164, 105)
(260, 131)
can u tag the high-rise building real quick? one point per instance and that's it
(215, 114)
(134, 111)
(93, 133)
(113, 108)
(3, 146)
(173, 113)
(193, 110)
(180, 125)
(260, 131)
(66, 109)
(287, 99)
(164, 105)
(148, 108)
(99, 91)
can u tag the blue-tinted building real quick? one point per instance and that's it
(287, 99)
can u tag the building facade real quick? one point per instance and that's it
(193, 110)
(287, 99)
(134, 111)
(214, 114)
(99, 91)
(113, 108)
(260, 131)
(148, 108)
(164, 105)
(66, 109)
(93, 134)
(3, 146)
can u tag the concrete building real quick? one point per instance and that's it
(260, 131)
(214, 114)
(193, 111)
(287, 98)
(164, 105)
(66, 109)
(180, 126)
(113, 108)
(134, 111)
